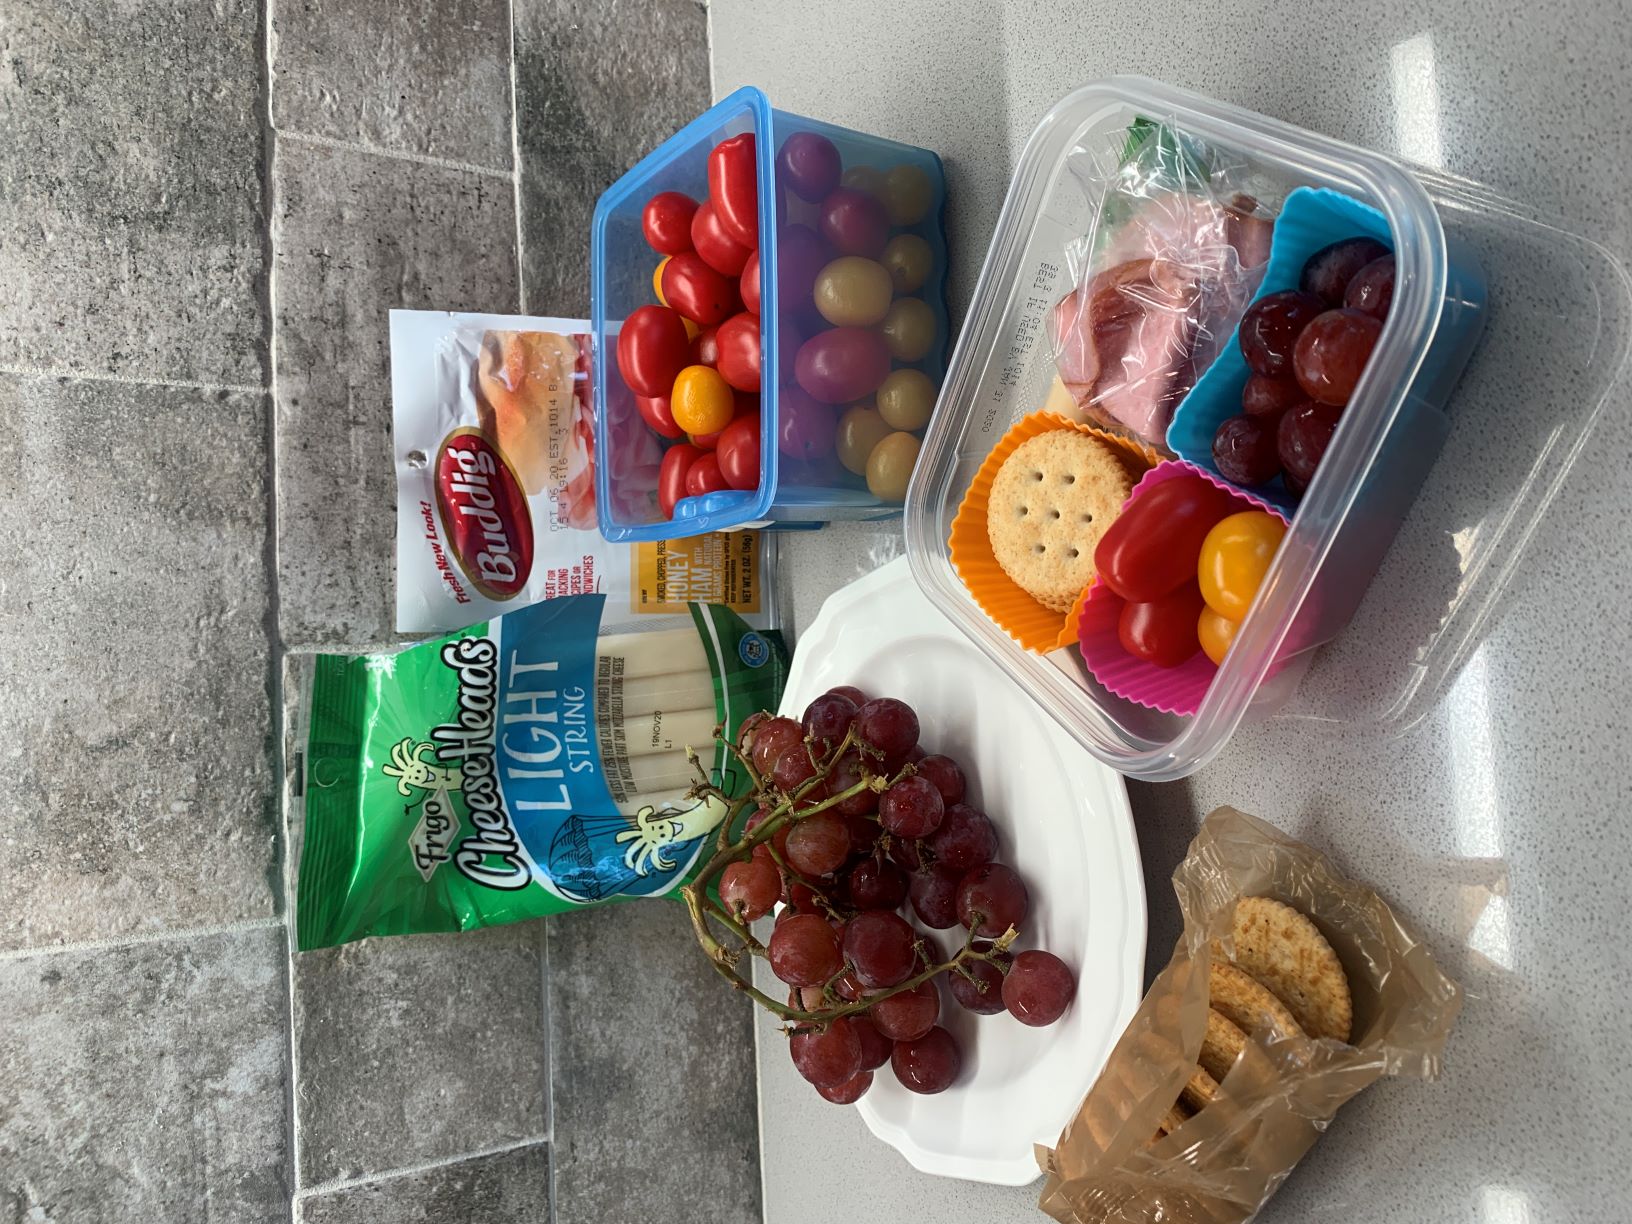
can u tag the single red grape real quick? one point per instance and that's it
(803, 951)
(850, 691)
(749, 889)
(909, 1014)
(888, 726)
(800, 900)
(827, 1056)
(793, 768)
(911, 808)
(827, 719)
(1371, 291)
(1302, 439)
(875, 1047)
(965, 839)
(1328, 271)
(984, 994)
(916, 754)
(991, 899)
(1038, 988)
(846, 772)
(877, 884)
(849, 1092)
(878, 944)
(934, 896)
(771, 739)
(848, 987)
(1271, 326)
(864, 833)
(947, 777)
(818, 844)
(1332, 354)
(906, 852)
(929, 1064)
(1244, 450)
(1269, 397)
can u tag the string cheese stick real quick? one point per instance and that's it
(675, 691)
(668, 730)
(653, 654)
(664, 771)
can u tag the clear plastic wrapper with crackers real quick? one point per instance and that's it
(1290, 990)
(1177, 247)
(495, 454)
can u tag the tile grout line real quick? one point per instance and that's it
(116, 942)
(335, 1184)
(515, 163)
(423, 159)
(128, 380)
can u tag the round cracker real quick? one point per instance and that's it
(1221, 1046)
(1247, 1003)
(1050, 503)
(1287, 953)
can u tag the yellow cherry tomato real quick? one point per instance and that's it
(701, 402)
(1216, 633)
(692, 330)
(1234, 558)
(657, 280)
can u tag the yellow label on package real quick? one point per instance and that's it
(719, 568)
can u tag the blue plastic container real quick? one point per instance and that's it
(790, 491)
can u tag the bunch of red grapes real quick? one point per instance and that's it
(1306, 348)
(904, 841)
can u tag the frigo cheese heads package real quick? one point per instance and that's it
(494, 438)
(523, 766)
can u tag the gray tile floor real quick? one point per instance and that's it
(207, 212)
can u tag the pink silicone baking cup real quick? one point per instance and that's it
(1173, 690)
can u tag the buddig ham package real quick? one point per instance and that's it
(523, 766)
(495, 457)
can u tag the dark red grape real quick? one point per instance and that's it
(944, 772)
(800, 900)
(879, 946)
(1244, 450)
(749, 889)
(793, 768)
(1293, 485)
(984, 994)
(849, 1092)
(818, 844)
(911, 808)
(1269, 397)
(864, 833)
(1332, 354)
(875, 1047)
(1038, 988)
(1328, 271)
(808, 165)
(890, 727)
(827, 1056)
(1302, 439)
(771, 739)
(877, 884)
(991, 899)
(929, 1064)
(846, 772)
(909, 1014)
(803, 950)
(965, 839)
(1371, 291)
(827, 719)
(916, 754)
(1271, 326)
(848, 987)
(906, 852)
(850, 691)
(934, 896)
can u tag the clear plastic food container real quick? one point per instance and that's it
(814, 486)
(1392, 429)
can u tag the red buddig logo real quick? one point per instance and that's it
(484, 514)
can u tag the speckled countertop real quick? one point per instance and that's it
(1464, 744)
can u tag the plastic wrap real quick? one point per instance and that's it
(1175, 251)
(1224, 1163)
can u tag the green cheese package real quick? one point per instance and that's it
(523, 766)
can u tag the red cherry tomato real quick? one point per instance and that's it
(748, 286)
(703, 476)
(855, 223)
(698, 291)
(738, 452)
(1162, 631)
(1153, 546)
(733, 186)
(654, 410)
(800, 255)
(652, 348)
(671, 475)
(666, 222)
(718, 249)
(739, 351)
(844, 364)
(705, 347)
(805, 428)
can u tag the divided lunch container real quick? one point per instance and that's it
(791, 491)
(1390, 432)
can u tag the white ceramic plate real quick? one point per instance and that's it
(1063, 823)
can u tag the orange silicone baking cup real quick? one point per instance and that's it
(1013, 609)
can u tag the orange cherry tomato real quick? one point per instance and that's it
(657, 280)
(1234, 558)
(1216, 633)
(701, 400)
